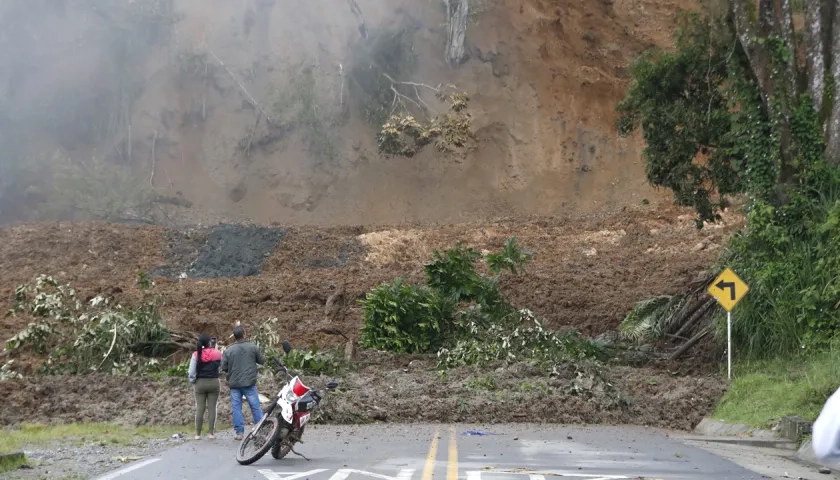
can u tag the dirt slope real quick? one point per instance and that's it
(586, 274)
(544, 77)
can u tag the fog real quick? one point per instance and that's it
(154, 110)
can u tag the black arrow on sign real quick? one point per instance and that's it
(730, 285)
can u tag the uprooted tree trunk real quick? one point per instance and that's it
(457, 12)
(778, 75)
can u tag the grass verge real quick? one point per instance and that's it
(30, 435)
(10, 464)
(762, 392)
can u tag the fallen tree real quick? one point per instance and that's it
(95, 335)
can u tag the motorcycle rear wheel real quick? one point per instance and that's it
(264, 438)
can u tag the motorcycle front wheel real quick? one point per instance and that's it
(261, 441)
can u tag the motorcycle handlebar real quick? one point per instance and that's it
(281, 367)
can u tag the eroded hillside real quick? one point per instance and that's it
(203, 99)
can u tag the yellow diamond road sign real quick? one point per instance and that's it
(728, 289)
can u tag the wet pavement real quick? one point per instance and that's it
(424, 452)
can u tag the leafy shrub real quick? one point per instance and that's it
(519, 338)
(402, 134)
(791, 266)
(267, 335)
(181, 370)
(312, 362)
(404, 318)
(512, 257)
(96, 336)
(453, 273)
(651, 318)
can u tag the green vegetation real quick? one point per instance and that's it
(404, 135)
(311, 362)
(538, 386)
(731, 111)
(406, 318)
(11, 464)
(486, 382)
(516, 337)
(765, 144)
(102, 336)
(651, 318)
(462, 315)
(764, 391)
(28, 435)
(411, 318)
(93, 336)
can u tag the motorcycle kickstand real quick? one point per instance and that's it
(292, 449)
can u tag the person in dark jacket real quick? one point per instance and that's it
(239, 362)
(204, 375)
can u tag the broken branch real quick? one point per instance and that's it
(152, 175)
(698, 313)
(251, 137)
(419, 102)
(113, 342)
(242, 87)
(681, 351)
(400, 95)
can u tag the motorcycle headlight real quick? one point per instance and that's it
(291, 397)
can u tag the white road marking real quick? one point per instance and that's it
(476, 475)
(405, 474)
(271, 475)
(127, 469)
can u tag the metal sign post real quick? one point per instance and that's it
(728, 289)
(729, 344)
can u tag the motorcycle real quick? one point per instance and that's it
(285, 419)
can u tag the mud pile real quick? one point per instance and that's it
(223, 251)
(586, 274)
(383, 389)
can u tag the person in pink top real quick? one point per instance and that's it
(204, 375)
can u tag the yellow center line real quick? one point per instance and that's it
(452, 465)
(429, 470)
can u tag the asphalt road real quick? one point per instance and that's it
(424, 452)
